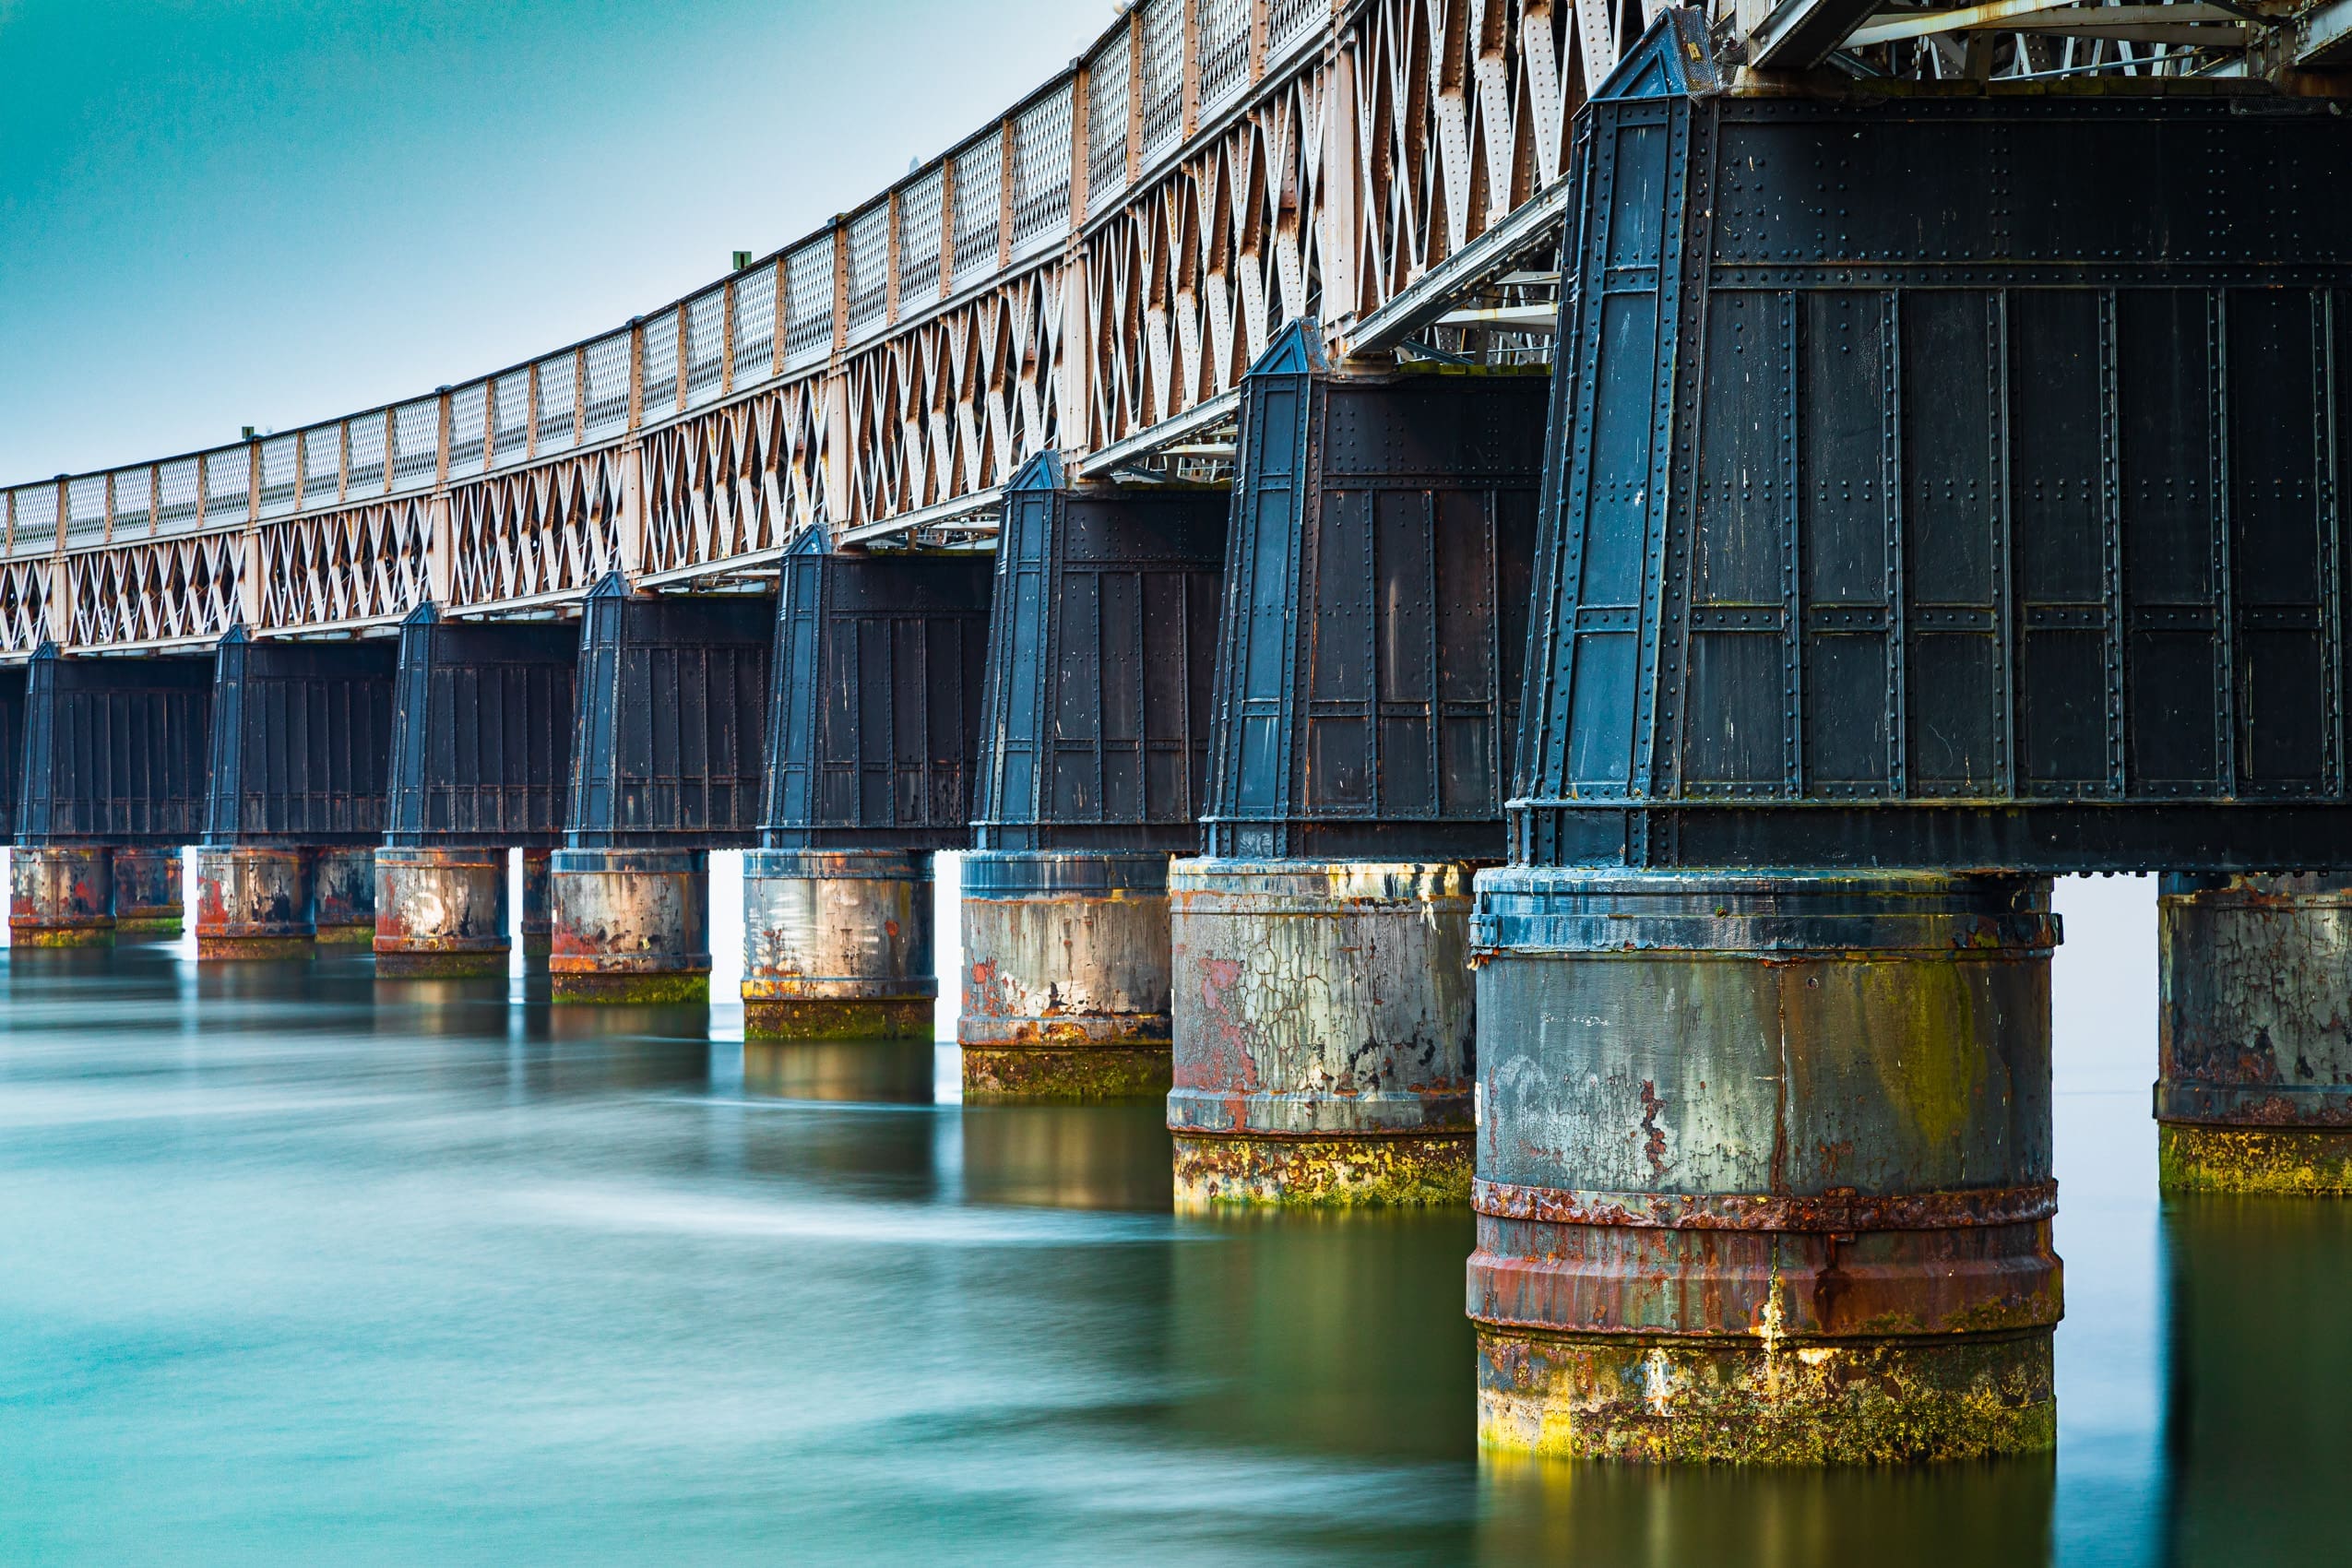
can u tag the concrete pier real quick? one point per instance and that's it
(838, 945)
(536, 928)
(61, 896)
(150, 899)
(1065, 983)
(2255, 1080)
(255, 902)
(440, 912)
(1764, 1166)
(1324, 1023)
(343, 888)
(631, 925)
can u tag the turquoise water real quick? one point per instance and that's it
(296, 1267)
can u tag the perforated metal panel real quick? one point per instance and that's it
(1222, 36)
(469, 430)
(278, 465)
(1042, 172)
(980, 209)
(511, 418)
(808, 287)
(1107, 83)
(706, 346)
(755, 325)
(869, 269)
(919, 240)
(556, 422)
(608, 387)
(1163, 83)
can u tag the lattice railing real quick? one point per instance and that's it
(1109, 254)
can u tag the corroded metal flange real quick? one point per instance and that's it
(630, 926)
(61, 896)
(1065, 985)
(1323, 1031)
(2253, 1089)
(254, 902)
(1764, 1166)
(838, 945)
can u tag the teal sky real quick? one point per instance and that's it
(216, 213)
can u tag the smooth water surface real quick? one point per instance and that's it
(303, 1267)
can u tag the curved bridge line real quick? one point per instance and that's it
(1105, 259)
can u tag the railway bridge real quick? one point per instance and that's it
(1510, 600)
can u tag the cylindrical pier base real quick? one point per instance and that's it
(148, 900)
(1066, 975)
(837, 944)
(631, 925)
(536, 930)
(1323, 1029)
(254, 903)
(2254, 1034)
(61, 896)
(343, 890)
(440, 912)
(1764, 1168)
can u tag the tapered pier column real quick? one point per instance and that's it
(440, 912)
(631, 925)
(1764, 1166)
(149, 896)
(838, 945)
(536, 928)
(1065, 985)
(61, 896)
(343, 882)
(1323, 1022)
(2254, 1085)
(1323, 1006)
(255, 902)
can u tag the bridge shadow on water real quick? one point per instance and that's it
(298, 1256)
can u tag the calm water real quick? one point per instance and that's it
(303, 1268)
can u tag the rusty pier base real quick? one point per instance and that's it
(343, 894)
(1065, 990)
(1764, 1168)
(838, 945)
(61, 896)
(1323, 1031)
(630, 925)
(535, 930)
(440, 912)
(2254, 1084)
(149, 896)
(255, 902)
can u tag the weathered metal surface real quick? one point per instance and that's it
(670, 700)
(148, 900)
(481, 733)
(112, 751)
(1322, 1028)
(2254, 1045)
(12, 748)
(343, 896)
(838, 945)
(1764, 1166)
(1102, 649)
(440, 912)
(1066, 986)
(254, 902)
(301, 739)
(874, 727)
(61, 896)
(537, 926)
(630, 925)
(1373, 629)
(1944, 480)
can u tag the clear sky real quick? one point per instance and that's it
(216, 213)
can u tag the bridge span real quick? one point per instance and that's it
(1623, 548)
